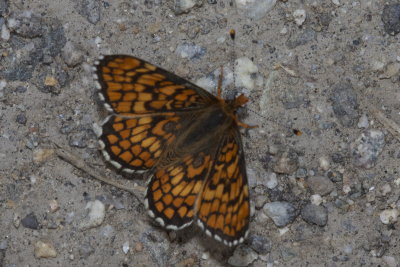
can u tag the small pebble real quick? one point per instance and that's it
(287, 162)
(190, 51)
(95, 215)
(320, 185)
(44, 249)
(21, 119)
(5, 33)
(85, 250)
(246, 73)
(53, 204)
(336, 2)
(255, 9)
(391, 18)
(125, 247)
(363, 121)
(271, 181)
(345, 103)
(281, 213)
(367, 147)
(30, 221)
(316, 199)
(389, 216)
(205, 255)
(139, 247)
(184, 6)
(42, 154)
(299, 16)
(242, 256)
(16, 220)
(324, 163)
(315, 214)
(72, 55)
(260, 244)
(390, 261)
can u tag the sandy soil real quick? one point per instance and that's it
(323, 138)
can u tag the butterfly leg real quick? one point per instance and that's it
(221, 77)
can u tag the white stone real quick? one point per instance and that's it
(363, 121)
(5, 33)
(324, 163)
(96, 215)
(389, 216)
(205, 255)
(272, 180)
(255, 9)
(316, 199)
(125, 247)
(245, 72)
(299, 16)
(336, 2)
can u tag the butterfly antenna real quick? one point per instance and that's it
(232, 34)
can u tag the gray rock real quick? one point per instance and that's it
(79, 139)
(242, 256)
(20, 89)
(3, 9)
(314, 214)
(366, 148)
(30, 221)
(320, 185)
(255, 9)
(260, 244)
(190, 51)
(287, 162)
(301, 38)
(281, 213)
(85, 250)
(71, 55)
(30, 26)
(345, 104)
(391, 18)
(183, 6)
(90, 9)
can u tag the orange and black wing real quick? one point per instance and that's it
(148, 105)
(129, 85)
(223, 207)
(136, 144)
(173, 189)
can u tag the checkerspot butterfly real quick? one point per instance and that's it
(186, 137)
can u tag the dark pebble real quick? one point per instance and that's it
(3, 7)
(314, 214)
(30, 221)
(21, 89)
(21, 119)
(260, 244)
(391, 18)
(301, 38)
(345, 104)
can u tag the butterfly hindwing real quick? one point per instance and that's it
(223, 207)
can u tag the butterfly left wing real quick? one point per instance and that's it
(223, 207)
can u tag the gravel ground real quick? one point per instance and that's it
(323, 82)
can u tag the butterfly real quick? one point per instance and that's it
(185, 136)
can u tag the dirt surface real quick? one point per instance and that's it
(325, 94)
